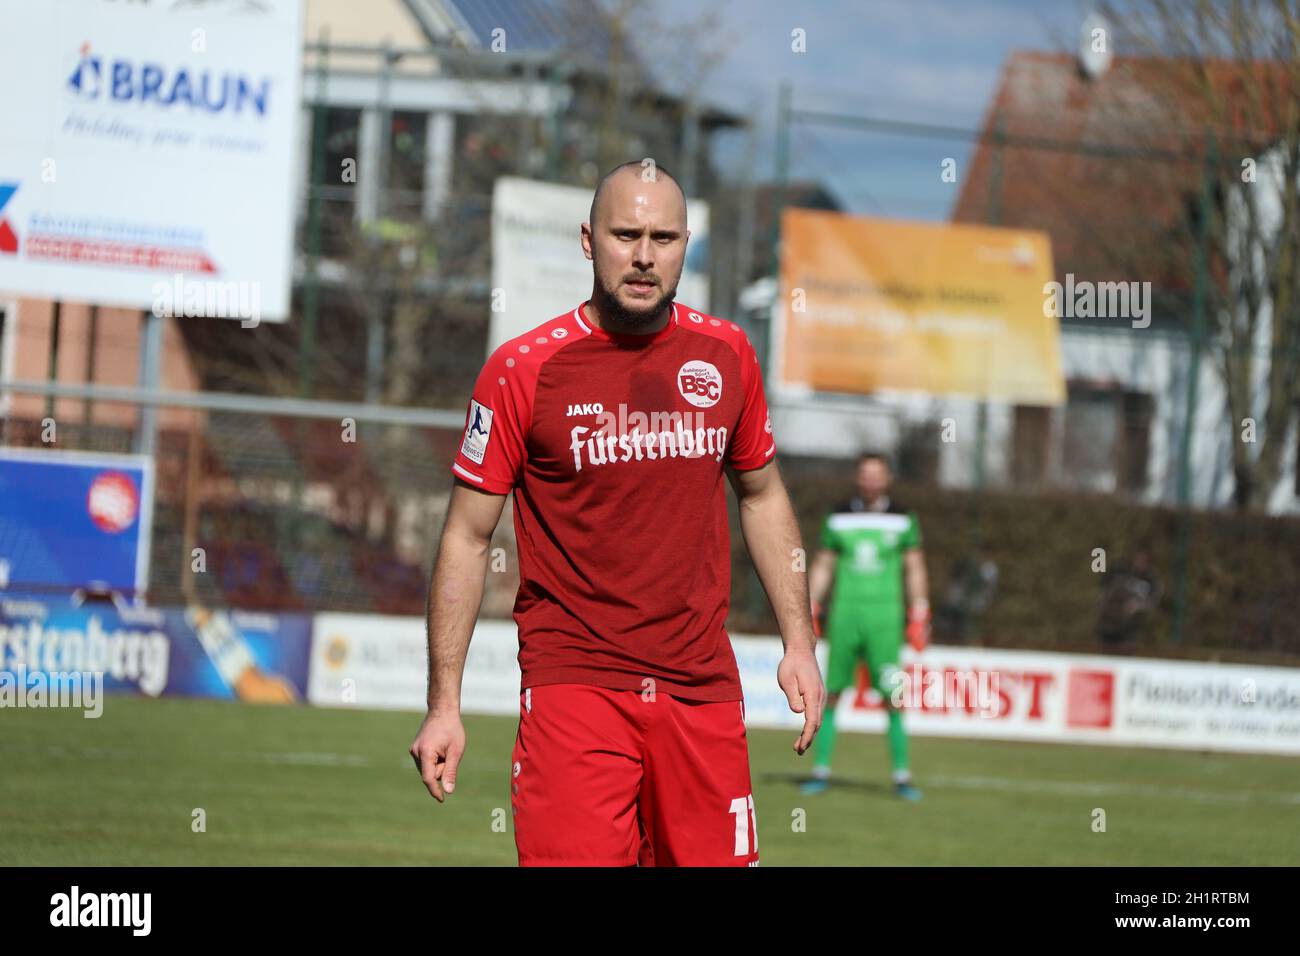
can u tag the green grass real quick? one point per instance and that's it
(305, 786)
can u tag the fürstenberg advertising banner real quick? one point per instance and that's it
(147, 158)
(379, 662)
(51, 646)
(538, 269)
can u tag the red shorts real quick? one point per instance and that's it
(605, 777)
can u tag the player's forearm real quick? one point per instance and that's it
(772, 536)
(455, 595)
(918, 582)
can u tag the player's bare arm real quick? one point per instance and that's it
(772, 535)
(917, 582)
(455, 595)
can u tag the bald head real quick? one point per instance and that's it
(636, 241)
(643, 171)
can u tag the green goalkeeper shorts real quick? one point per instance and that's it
(863, 633)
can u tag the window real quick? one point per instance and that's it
(342, 141)
(1107, 439)
(1091, 432)
(1031, 444)
(337, 189)
(1135, 441)
(406, 148)
(917, 457)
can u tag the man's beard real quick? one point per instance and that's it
(617, 314)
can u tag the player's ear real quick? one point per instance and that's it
(584, 232)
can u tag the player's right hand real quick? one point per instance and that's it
(437, 750)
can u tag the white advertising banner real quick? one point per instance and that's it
(379, 662)
(1028, 695)
(148, 155)
(945, 691)
(538, 268)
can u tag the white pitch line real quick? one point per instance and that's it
(1068, 788)
(940, 781)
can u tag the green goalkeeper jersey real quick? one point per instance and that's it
(870, 546)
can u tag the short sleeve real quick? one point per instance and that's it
(752, 446)
(912, 536)
(493, 445)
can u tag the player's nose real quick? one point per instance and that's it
(643, 254)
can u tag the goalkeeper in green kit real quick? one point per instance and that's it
(871, 548)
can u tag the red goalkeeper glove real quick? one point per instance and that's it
(918, 625)
(817, 619)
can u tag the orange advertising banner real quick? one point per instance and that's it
(870, 304)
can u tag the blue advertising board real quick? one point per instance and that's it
(70, 520)
(183, 651)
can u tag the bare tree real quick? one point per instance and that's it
(1231, 76)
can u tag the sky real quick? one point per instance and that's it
(927, 61)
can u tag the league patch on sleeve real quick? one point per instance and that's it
(474, 447)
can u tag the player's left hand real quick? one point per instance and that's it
(918, 626)
(801, 679)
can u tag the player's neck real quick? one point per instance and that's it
(607, 320)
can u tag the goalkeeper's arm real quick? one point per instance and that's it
(917, 583)
(820, 576)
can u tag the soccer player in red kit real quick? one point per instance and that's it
(613, 424)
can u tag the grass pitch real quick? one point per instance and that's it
(309, 786)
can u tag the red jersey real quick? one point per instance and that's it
(615, 447)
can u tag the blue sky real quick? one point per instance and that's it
(930, 61)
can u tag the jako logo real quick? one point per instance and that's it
(145, 83)
(8, 238)
(103, 909)
(700, 383)
(591, 409)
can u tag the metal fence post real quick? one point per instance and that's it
(1193, 375)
